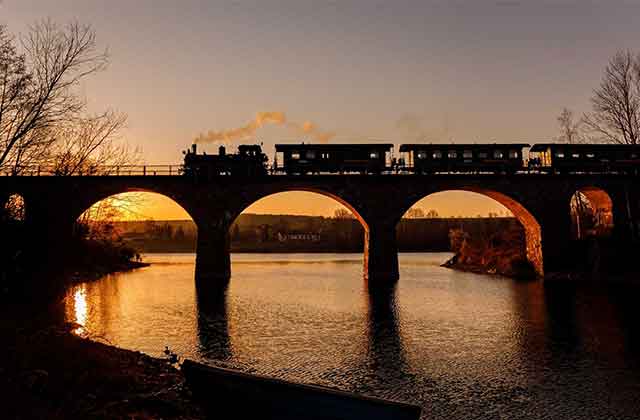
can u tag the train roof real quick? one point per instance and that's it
(338, 146)
(541, 147)
(426, 146)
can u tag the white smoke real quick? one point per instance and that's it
(306, 128)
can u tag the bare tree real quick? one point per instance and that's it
(616, 102)
(98, 221)
(13, 208)
(89, 146)
(570, 129)
(343, 214)
(414, 213)
(432, 214)
(37, 86)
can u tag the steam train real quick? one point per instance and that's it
(378, 158)
(248, 161)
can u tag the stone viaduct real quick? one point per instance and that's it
(539, 201)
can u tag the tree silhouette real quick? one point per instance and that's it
(38, 87)
(615, 117)
(414, 213)
(570, 129)
(343, 214)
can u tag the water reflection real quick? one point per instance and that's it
(80, 308)
(462, 345)
(213, 320)
(561, 318)
(385, 351)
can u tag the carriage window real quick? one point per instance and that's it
(497, 154)
(452, 154)
(590, 155)
(295, 155)
(437, 154)
(422, 155)
(575, 155)
(483, 155)
(634, 155)
(311, 154)
(513, 154)
(560, 154)
(467, 154)
(374, 155)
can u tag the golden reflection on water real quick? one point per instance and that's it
(456, 343)
(80, 309)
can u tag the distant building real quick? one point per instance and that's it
(298, 237)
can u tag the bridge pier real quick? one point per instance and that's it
(381, 254)
(555, 232)
(213, 256)
(626, 213)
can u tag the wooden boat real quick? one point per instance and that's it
(231, 394)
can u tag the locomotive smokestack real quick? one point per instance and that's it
(222, 151)
(194, 148)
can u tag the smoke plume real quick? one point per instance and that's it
(307, 128)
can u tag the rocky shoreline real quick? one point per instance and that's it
(49, 372)
(523, 272)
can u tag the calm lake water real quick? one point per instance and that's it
(461, 345)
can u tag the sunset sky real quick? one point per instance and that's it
(485, 71)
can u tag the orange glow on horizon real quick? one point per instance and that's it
(152, 206)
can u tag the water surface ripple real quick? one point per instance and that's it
(462, 345)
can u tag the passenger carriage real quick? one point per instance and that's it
(585, 158)
(433, 158)
(304, 158)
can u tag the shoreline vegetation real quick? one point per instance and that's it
(97, 258)
(47, 371)
(500, 252)
(590, 260)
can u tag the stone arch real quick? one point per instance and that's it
(254, 199)
(87, 227)
(591, 210)
(533, 235)
(89, 201)
(214, 229)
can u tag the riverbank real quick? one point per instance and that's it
(46, 371)
(515, 269)
(84, 274)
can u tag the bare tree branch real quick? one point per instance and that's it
(37, 86)
(570, 130)
(616, 102)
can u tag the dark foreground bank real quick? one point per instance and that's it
(50, 373)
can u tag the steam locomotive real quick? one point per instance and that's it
(377, 158)
(248, 161)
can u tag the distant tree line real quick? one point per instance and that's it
(270, 233)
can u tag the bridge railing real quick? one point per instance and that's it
(105, 170)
